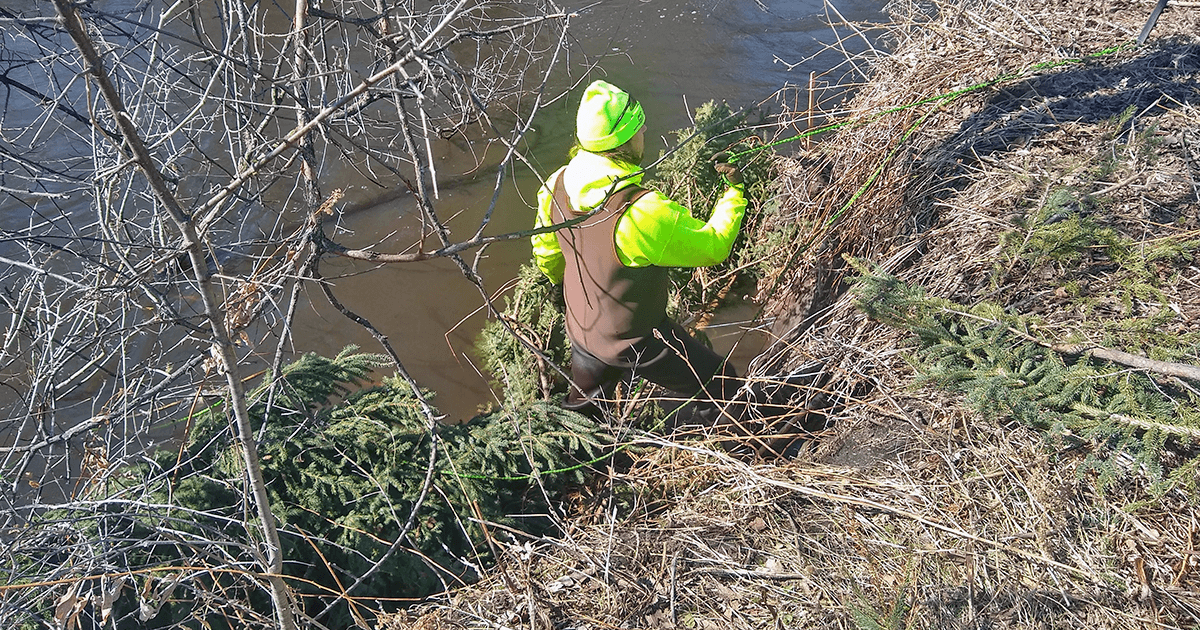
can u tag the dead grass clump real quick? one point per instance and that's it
(884, 183)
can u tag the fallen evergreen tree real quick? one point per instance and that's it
(371, 513)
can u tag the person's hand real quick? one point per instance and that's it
(724, 165)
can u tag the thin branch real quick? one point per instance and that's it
(222, 346)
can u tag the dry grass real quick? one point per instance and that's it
(955, 526)
(910, 511)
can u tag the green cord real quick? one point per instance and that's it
(948, 96)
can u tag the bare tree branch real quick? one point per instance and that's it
(222, 345)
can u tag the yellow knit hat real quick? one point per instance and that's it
(608, 117)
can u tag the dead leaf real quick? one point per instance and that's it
(68, 608)
(108, 596)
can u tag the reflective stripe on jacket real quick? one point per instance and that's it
(653, 231)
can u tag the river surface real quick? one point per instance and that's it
(672, 55)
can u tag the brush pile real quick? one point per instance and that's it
(1060, 208)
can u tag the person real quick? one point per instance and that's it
(613, 262)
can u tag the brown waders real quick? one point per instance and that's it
(617, 323)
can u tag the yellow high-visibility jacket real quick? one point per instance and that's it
(653, 231)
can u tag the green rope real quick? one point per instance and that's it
(879, 169)
(948, 96)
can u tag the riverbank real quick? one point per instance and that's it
(973, 274)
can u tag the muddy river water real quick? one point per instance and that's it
(672, 55)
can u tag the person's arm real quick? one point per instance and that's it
(658, 231)
(546, 252)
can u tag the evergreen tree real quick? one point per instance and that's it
(533, 315)
(346, 465)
